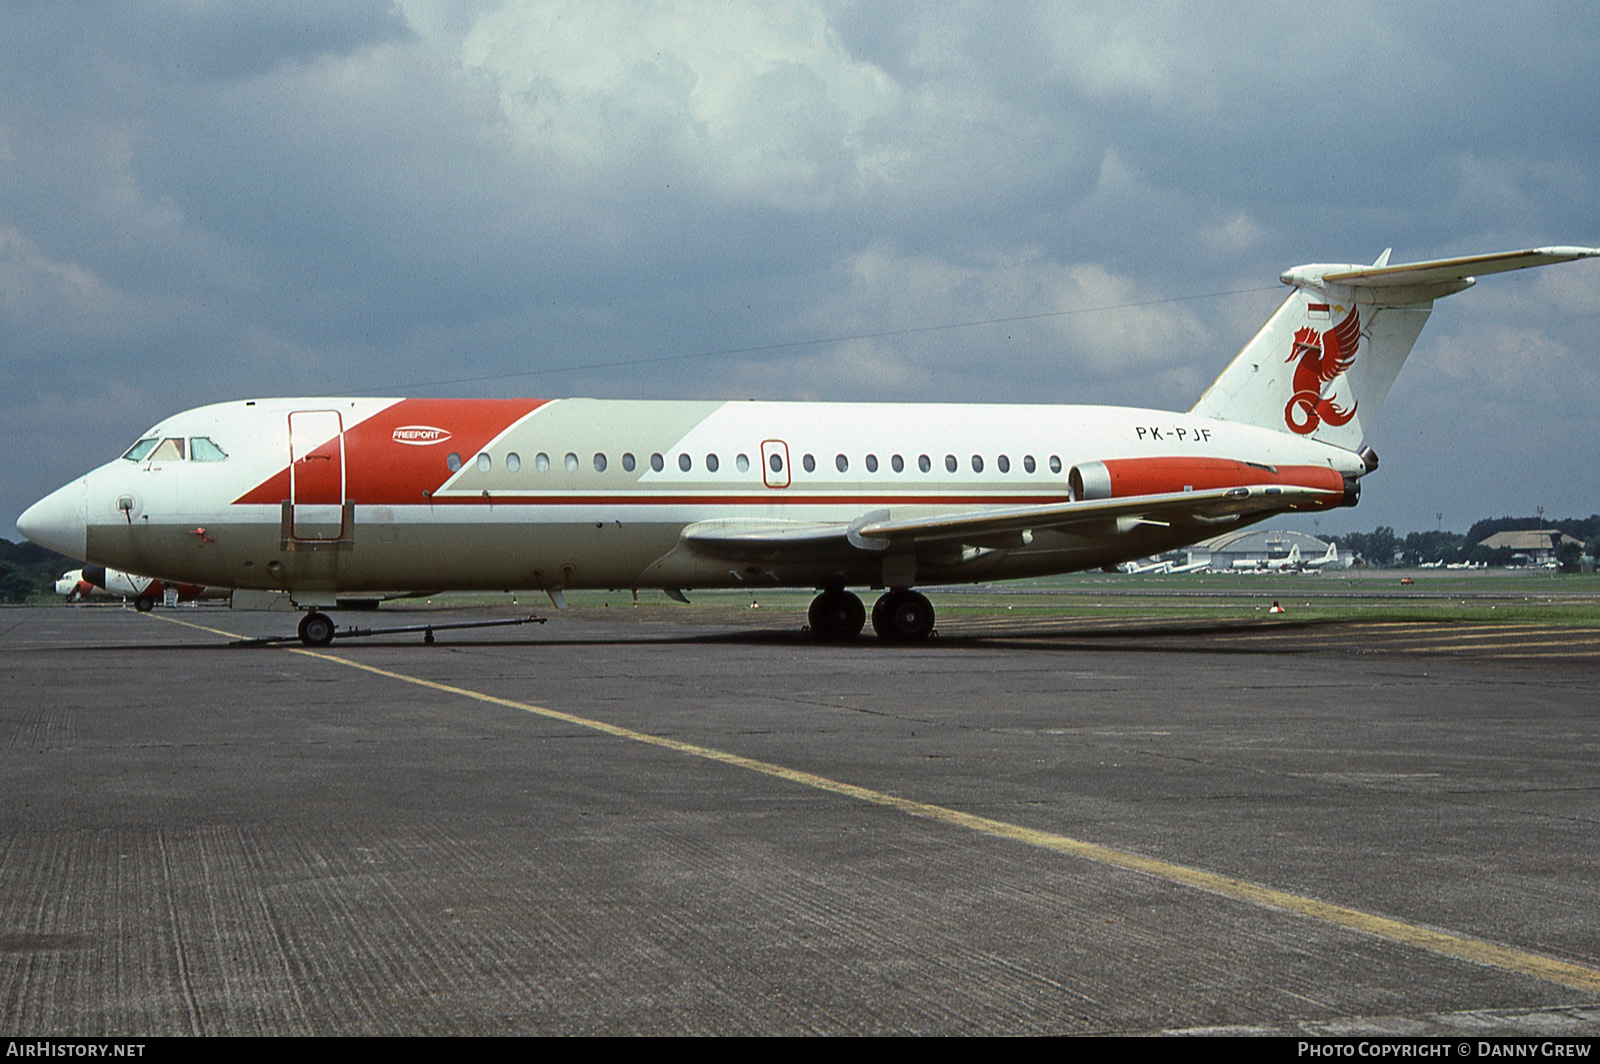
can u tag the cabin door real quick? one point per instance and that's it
(316, 476)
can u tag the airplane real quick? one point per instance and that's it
(1432, 565)
(1136, 569)
(96, 581)
(1328, 557)
(323, 497)
(74, 587)
(1271, 565)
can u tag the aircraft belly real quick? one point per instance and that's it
(479, 555)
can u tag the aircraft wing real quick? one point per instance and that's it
(878, 530)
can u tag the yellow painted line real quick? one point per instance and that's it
(1571, 637)
(1385, 624)
(1555, 655)
(1498, 648)
(1460, 947)
(1468, 631)
(201, 627)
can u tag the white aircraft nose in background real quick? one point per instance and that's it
(57, 521)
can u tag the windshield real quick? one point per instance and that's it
(137, 452)
(202, 449)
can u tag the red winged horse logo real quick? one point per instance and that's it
(1322, 357)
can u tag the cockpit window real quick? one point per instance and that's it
(170, 450)
(137, 452)
(201, 449)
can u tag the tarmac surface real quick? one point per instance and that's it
(700, 822)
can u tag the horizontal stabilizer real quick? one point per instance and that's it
(1437, 270)
(1323, 364)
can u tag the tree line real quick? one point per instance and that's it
(27, 570)
(1384, 547)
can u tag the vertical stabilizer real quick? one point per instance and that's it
(1320, 367)
(1325, 361)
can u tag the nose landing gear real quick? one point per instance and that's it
(316, 629)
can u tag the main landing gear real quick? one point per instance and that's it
(903, 616)
(836, 615)
(899, 616)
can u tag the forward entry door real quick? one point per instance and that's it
(316, 476)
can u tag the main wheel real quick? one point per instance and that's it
(316, 629)
(903, 616)
(837, 615)
(144, 605)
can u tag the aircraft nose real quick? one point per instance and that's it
(57, 521)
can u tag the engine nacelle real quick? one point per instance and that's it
(1120, 478)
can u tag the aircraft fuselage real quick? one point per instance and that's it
(324, 495)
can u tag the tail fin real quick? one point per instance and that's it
(1324, 362)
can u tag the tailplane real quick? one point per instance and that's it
(1323, 364)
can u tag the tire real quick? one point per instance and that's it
(316, 629)
(903, 616)
(837, 616)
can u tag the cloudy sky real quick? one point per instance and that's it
(1003, 201)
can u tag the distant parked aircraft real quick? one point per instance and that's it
(96, 581)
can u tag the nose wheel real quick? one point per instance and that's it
(903, 616)
(316, 629)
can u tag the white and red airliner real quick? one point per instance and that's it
(325, 498)
(96, 581)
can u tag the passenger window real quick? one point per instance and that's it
(484, 462)
(685, 463)
(201, 449)
(950, 463)
(898, 464)
(923, 463)
(1004, 463)
(872, 463)
(1027, 462)
(775, 462)
(977, 463)
(513, 462)
(453, 461)
(810, 463)
(712, 463)
(627, 461)
(742, 463)
(841, 463)
(541, 462)
(656, 463)
(170, 450)
(571, 462)
(599, 462)
(1055, 464)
